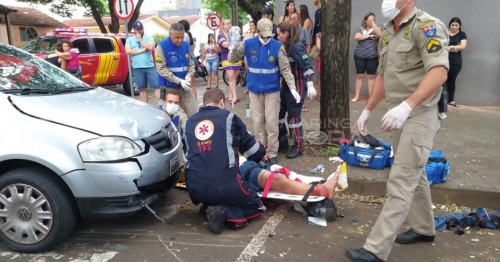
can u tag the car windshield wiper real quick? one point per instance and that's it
(71, 89)
(27, 90)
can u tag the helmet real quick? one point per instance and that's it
(202, 71)
(325, 209)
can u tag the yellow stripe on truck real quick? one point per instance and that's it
(107, 65)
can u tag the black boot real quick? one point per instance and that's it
(216, 216)
(293, 153)
(361, 255)
(411, 237)
(283, 144)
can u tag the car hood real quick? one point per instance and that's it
(99, 111)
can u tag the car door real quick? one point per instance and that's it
(86, 59)
(107, 49)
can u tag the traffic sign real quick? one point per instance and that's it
(123, 9)
(214, 21)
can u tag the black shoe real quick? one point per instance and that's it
(411, 237)
(273, 160)
(203, 210)
(361, 255)
(216, 216)
(283, 145)
(293, 154)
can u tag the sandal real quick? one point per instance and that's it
(217, 87)
(208, 88)
(246, 92)
(304, 109)
(236, 101)
(453, 104)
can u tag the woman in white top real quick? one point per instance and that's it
(210, 58)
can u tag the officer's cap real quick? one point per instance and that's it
(265, 27)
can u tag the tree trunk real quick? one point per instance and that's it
(114, 27)
(252, 7)
(97, 15)
(135, 15)
(335, 38)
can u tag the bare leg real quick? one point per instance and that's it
(282, 184)
(216, 75)
(357, 86)
(144, 95)
(193, 88)
(371, 80)
(232, 84)
(209, 80)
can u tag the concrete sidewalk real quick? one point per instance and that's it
(468, 138)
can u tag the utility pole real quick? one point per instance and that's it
(234, 12)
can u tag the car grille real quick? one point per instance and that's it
(164, 140)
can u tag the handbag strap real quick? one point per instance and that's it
(373, 154)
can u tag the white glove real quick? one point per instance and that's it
(186, 85)
(311, 92)
(363, 119)
(396, 117)
(295, 95)
(275, 167)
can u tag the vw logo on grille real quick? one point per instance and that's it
(24, 213)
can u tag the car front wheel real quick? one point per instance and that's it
(36, 210)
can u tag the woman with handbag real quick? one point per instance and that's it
(73, 67)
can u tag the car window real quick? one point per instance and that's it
(19, 70)
(103, 45)
(82, 44)
(44, 44)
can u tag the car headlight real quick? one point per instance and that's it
(173, 134)
(108, 149)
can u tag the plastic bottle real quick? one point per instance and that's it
(320, 167)
(249, 114)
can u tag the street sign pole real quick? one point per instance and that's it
(129, 59)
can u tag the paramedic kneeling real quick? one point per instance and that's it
(212, 138)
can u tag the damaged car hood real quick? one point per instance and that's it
(99, 111)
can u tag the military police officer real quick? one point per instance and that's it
(175, 68)
(266, 59)
(413, 67)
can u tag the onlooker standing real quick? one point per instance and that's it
(210, 58)
(188, 38)
(316, 36)
(365, 55)
(252, 32)
(140, 49)
(263, 83)
(232, 69)
(305, 19)
(268, 13)
(458, 43)
(289, 10)
(304, 37)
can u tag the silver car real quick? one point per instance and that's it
(70, 150)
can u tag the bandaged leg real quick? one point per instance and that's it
(268, 180)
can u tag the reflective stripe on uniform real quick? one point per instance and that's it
(178, 69)
(263, 71)
(230, 151)
(295, 125)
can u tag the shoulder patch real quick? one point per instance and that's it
(429, 28)
(282, 49)
(406, 32)
(433, 46)
(385, 39)
(158, 59)
(304, 57)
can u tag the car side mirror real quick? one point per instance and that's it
(76, 50)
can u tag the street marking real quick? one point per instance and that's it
(168, 249)
(258, 241)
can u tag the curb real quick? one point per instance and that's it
(461, 197)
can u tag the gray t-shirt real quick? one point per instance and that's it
(191, 47)
(366, 48)
(304, 37)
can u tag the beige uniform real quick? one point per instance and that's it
(265, 108)
(188, 101)
(406, 55)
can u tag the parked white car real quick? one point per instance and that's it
(68, 150)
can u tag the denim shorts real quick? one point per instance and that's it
(144, 77)
(212, 65)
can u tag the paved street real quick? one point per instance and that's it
(282, 234)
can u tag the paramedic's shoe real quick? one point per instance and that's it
(293, 154)
(411, 237)
(361, 255)
(216, 216)
(273, 160)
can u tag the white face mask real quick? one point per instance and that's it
(171, 108)
(389, 9)
(263, 42)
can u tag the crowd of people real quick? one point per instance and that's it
(406, 63)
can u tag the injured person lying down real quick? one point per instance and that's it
(265, 178)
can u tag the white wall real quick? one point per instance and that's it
(3, 34)
(154, 27)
